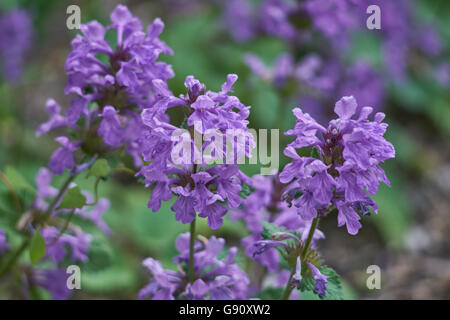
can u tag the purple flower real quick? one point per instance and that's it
(110, 128)
(44, 189)
(257, 66)
(333, 18)
(132, 65)
(184, 205)
(196, 173)
(163, 284)
(362, 81)
(215, 279)
(350, 152)
(16, 32)
(56, 244)
(275, 18)
(54, 281)
(240, 20)
(269, 258)
(4, 245)
(62, 158)
(297, 277)
(112, 84)
(263, 245)
(321, 280)
(56, 119)
(95, 213)
(282, 69)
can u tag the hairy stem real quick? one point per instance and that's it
(288, 288)
(191, 271)
(309, 239)
(63, 189)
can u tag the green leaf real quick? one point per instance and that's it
(99, 169)
(271, 294)
(73, 199)
(307, 284)
(37, 247)
(246, 190)
(269, 229)
(315, 153)
(334, 287)
(17, 180)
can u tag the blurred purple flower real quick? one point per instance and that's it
(240, 20)
(16, 33)
(54, 281)
(215, 279)
(62, 158)
(4, 245)
(56, 244)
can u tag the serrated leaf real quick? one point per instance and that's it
(37, 246)
(269, 229)
(99, 169)
(17, 180)
(73, 199)
(307, 284)
(334, 287)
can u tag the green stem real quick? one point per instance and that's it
(97, 181)
(64, 228)
(14, 257)
(309, 239)
(191, 271)
(288, 289)
(63, 189)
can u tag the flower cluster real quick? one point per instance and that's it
(215, 278)
(347, 165)
(318, 82)
(332, 19)
(111, 84)
(181, 165)
(121, 101)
